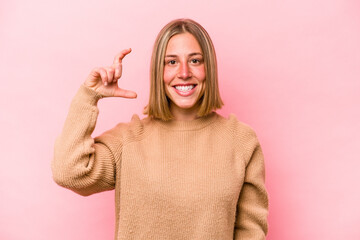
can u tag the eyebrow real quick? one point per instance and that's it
(190, 55)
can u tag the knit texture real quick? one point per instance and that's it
(178, 180)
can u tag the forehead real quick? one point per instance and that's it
(183, 43)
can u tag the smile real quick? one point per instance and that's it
(185, 90)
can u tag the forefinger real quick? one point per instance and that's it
(118, 58)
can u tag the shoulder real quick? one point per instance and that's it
(240, 135)
(124, 132)
(236, 127)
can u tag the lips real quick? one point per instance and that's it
(185, 89)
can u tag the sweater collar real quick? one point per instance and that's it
(188, 125)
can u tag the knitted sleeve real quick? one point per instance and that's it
(80, 163)
(252, 209)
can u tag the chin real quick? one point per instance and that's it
(185, 105)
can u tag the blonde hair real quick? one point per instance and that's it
(159, 104)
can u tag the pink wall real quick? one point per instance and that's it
(290, 69)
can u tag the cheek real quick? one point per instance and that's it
(168, 75)
(201, 75)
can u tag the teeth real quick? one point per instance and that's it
(184, 88)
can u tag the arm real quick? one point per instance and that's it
(81, 163)
(252, 209)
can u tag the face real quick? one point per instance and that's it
(184, 73)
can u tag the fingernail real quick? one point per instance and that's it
(105, 83)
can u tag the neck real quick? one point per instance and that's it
(181, 114)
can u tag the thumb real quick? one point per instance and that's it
(119, 92)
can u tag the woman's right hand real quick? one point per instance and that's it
(104, 79)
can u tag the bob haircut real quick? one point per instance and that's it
(159, 103)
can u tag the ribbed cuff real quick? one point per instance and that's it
(88, 95)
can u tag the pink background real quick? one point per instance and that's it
(290, 69)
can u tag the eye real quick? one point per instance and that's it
(196, 61)
(171, 62)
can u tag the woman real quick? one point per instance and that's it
(184, 172)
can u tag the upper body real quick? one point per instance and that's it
(194, 176)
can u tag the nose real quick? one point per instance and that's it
(184, 71)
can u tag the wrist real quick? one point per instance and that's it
(92, 91)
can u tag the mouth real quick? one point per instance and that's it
(185, 89)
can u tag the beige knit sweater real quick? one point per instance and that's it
(200, 179)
